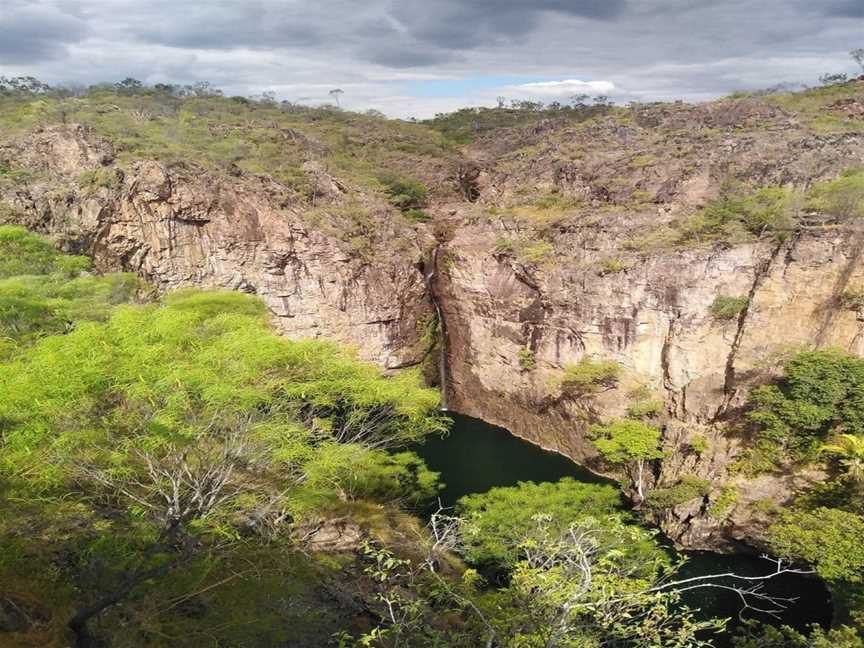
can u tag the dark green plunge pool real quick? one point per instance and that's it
(476, 456)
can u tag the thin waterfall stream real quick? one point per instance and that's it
(430, 276)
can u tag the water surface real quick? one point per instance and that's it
(477, 456)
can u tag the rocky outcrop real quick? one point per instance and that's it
(182, 226)
(527, 291)
(654, 320)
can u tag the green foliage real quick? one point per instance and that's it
(843, 197)
(687, 489)
(498, 518)
(829, 539)
(820, 393)
(534, 252)
(188, 376)
(588, 376)
(526, 359)
(757, 635)
(418, 215)
(612, 266)
(623, 441)
(40, 293)
(98, 179)
(23, 253)
(465, 125)
(848, 450)
(725, 307)
(770, 209)
(197, 125)
(699, 443)
(33, 306)
(404, 193)
(734, 217)
(645, 409)
(725, 502)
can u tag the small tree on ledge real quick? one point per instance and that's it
(630, 444)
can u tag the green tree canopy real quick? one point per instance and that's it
(821, 392)
(497, 519)
(829, 539)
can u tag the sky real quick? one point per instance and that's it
(415, 58)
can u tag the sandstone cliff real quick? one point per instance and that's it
(182, 225)
(556, 241)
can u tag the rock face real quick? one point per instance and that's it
(182, 226)
(558, 250)
(654, 320)
(525, 293)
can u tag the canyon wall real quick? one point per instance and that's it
(184, 226)
(561, 247)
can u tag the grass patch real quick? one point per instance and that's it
(526, 359)
(843, 197)
(686, 490)
(726, 307)
(588, 377)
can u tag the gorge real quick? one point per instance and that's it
(657, 263)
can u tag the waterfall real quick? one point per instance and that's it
(442, 331)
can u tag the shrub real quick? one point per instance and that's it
(763, 635)
(828, 539)
(23, 253)
(687, 489)
(404, 193)
(535, 252)
(726, 307)
(843, 197)
(98, 178)
(612, 266)
(645, 409)
(765, 505)
(724, 503)
(818, 394)
(698, 443)
(589, 376)
(418, 215)
(771, 210)
(526, 359)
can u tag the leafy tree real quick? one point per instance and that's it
(842, 197)
(189, 422)
(496, 520)
(631, 444)
(820, 394)
(405, 193)
(828, 539)
(758, 635)
(849, 449)
(588, 376)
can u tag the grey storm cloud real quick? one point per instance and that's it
(398, 33)
(461, 24)
(220, 25)
(847, 8)
(31, 32)
(649, 49)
